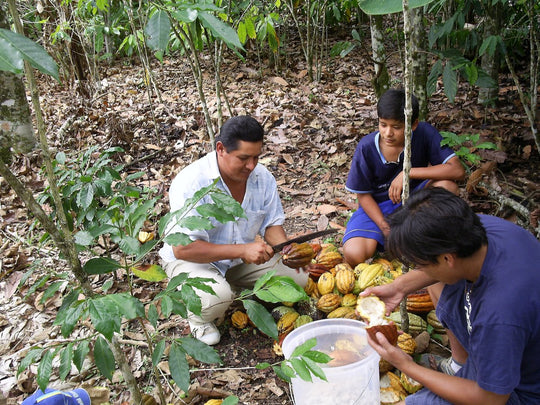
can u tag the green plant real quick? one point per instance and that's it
(465, 146)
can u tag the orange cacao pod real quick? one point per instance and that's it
(296, 255)
(286, 322)
(329, 259)
(310, 286)
(406, 343)
(239, 319)
(419, 302)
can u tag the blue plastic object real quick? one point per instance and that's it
(51, 396)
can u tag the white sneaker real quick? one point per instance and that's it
(205, 332)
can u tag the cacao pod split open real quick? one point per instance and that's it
(371, 309)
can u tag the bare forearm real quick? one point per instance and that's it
(201, 251)
(372, 210)
(451, 170)
(274, 235)
(412, 281)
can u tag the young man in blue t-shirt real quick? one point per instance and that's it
(376, 173)
(489, 269)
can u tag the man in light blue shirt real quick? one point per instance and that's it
(230, 253)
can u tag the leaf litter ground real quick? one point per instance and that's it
(312, 130)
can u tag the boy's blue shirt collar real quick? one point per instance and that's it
(383, 159)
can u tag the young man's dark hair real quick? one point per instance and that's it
(391, 105)
(241, 128)
(417, 236)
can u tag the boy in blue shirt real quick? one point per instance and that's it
(376, 173)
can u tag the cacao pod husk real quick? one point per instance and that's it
(239, 319)
(342, 312)
(302, 320)
(286, 323)
(315, 270)
(281, 310)
(345, 280)
(349, 300)
(328, 302)
(297, 255)
(406, 343)
(410, 384)
(326, 283)
(389, 331)
(329, 259)
(369, 274)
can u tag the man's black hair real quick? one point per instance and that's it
(241, 128)
(432, 222)
(391, 106)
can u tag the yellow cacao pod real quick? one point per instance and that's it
(387, 265)
(330, 259)
(310, 286)
(328, 302)
(297, 255)
(343, 266)
(406, 343)
(342, 312)
(434, 321)
(239, 319)
(286, 322)
(326, 283)
(214, 402)
(345, 281)
(349, 300)
(359, 268)
(369, 274)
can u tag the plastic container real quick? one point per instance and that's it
(353, 375)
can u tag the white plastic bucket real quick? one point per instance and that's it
(355, 383)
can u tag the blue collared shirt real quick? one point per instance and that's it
(261, 204)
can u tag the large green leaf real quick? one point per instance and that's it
(127, 305)
(31, 52)
(158, 30)
(100, 265)
(66, 357)
(105, 316)
(149, 272)
(11, 60)
(261, 318)
(44, 370)
(450, 82)
(375, 7)
(179, 367)
(199, 351)
(221, 30)
(104, 358)
(80, 354)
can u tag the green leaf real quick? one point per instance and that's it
(304, 347)
(301, 369)
(31, 357)
(105, 316)
(166, 306)
(129, 245)
(51, 290)
(199, 351)
(159, 349)
(250, 28)
(66, 357)
(376, 7)
(450, 82)
(279, 372)
(317, 356)
(471, 71)
(220, 30)
(149, 272)
(489, 45)
(73, 314)
(195, 223)
(212, 210)
(262, 319)
(104, 358)
(179, 367)
(11, 60)
(314, 367)
(242, 32)
(31, 52)
(44, 370)
(263, 280)
(83, 238)
(158, 30)
(177, 239)
(153, 315)
(101, 265)
(262, 366)
(80, 354)
(436, 71)
(127, 305)
(86, 196)
(230, 400)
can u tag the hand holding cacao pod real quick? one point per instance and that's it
(372, 310)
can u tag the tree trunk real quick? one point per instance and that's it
(419, 60)
(15, 123)
(490, 63)
(381, 80)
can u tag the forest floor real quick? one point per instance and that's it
(312, 130)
